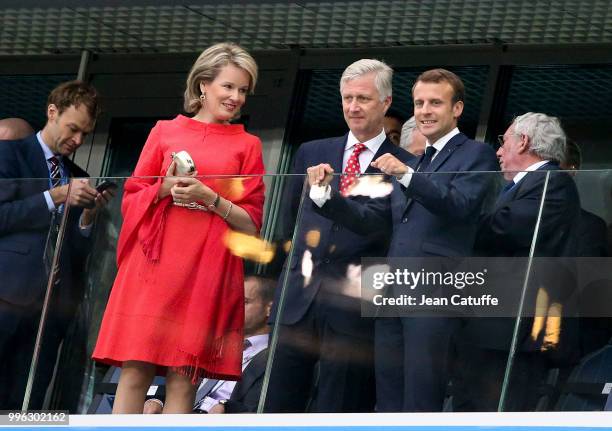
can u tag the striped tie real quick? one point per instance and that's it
(56, 180)
(56, 171)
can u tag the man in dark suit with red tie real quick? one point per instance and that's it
(324, 358)
(34, 195)
(434, 213)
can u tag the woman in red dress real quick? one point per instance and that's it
(177, 304)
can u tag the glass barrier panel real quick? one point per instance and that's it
(65, 371)
(181, 266)
(488, 294)
(560, 361)
(564, 323)
(31, 228)
(387, 292)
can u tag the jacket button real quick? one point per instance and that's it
(326, 260)
(405, 220)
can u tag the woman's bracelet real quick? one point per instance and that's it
(229, 209)
(215, 204)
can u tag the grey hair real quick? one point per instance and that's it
(382, 79)
(546, 136)
(406, 134)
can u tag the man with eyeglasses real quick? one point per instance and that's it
(532, 147)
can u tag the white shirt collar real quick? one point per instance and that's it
(440, 143)
(530, 168)
(373, 144)
(46, 150)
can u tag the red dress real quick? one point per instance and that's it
(178, 298)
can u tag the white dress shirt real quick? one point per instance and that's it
(520, 175)
(319, 194)
(438, 145)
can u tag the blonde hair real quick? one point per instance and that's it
(209, 64)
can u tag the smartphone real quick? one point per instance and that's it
(106, 185)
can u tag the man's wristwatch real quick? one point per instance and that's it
(223, 402)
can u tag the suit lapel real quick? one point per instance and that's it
(526, 182)
(73, 169)
(337, 154)
(251, 373)
(36, 158)
(448, 149)
(438, 161)
(385, 147)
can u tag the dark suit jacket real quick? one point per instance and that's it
(337, 246)
(508, 231)
(437, 214)
(25, 221)
(245, 396)
(593, 235)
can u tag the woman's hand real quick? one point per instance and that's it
(170, 181)
(190, 189)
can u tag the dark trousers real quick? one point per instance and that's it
(18, 329)
(413, 358)
(479, 376)
(344, 361)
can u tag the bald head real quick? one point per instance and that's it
(14, 128)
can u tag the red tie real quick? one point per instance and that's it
(352, 169)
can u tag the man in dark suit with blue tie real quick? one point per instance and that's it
(324, 357)
(34, 195)
(530, 153)
(434, 212)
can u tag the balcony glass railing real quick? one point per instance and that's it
(447, 297)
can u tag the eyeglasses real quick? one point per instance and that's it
(500, 138)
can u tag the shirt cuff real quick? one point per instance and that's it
(319, 195)
(406, 178)
(207, 403)
(49, 201)
(85, 230)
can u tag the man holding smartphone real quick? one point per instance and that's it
(36, 191)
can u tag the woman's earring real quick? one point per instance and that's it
(202, 98)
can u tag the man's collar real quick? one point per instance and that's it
(46, 150)
(518, 177)
(372, 144)
(259, 342)
(440, 143)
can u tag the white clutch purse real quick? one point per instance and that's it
(184, 163)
